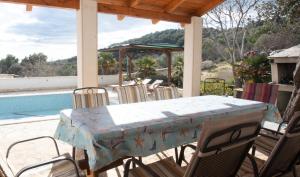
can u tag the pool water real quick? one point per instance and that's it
(33, 105)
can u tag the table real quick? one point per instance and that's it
(141, 129)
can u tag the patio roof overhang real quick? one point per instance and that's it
(179, 11)
(186, 12)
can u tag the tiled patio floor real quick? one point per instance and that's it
(42, 150)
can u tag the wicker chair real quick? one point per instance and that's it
(164, 93)
(60, 166)
(221, 149)
(89, 97)
(132, 94)
(283, 157)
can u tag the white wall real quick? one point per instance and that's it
(48, 83)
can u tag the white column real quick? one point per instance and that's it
(192, 57)
(87, 37)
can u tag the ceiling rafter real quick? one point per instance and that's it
(141, 13)
(29, 7)
(179, 11)
(134, 3)
(70, 4)
(173, 5)
(209, 6)
(120, 17)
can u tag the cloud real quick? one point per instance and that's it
(53, 31)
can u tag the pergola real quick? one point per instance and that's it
(124, 51)
(186, 12)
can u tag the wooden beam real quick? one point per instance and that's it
(134, 3)
(209, 6)
(169, 63)
(70, 4)
(120, 17)
(28, 7)
(111, 9)
(173, 5)
(154, 21)
(121, 59)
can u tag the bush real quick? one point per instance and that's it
(146, 67)
(254, 69)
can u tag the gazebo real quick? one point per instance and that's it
(125, 49)
(186, 12)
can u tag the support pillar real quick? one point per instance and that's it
(192, 57)
(87, 39)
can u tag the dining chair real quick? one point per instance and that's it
(164, 93)
(221, 149)
(132, 94)
(264, 144)
(262, 92)
(283, 157)
(89, 97)
(60, 166)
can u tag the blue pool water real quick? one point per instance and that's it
(35, 105)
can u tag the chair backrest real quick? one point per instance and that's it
(164, 93)
(132, 94)
(146, 81)
(223, 145)
(90, 97)
(286, 152)
(263, 92)
(214, 86)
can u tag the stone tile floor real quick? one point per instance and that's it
(40, 150)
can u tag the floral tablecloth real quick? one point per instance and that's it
(141, 129)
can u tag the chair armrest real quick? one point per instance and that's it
(181, 155)
(33, 139)
(141, 165)
(270, 136)
(52, 161)
(254, 165)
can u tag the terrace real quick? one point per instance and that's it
(189, 111)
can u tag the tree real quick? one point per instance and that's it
(280, 24)
(146, 67)
(35, 65)
(230, 18)
(107, 63)
(8, 62)
(177, 75)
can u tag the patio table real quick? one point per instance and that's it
(141, 129)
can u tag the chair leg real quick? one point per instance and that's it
(253, 150)
(294, 171)
(176, 155)
(87, 159)
(73, 152)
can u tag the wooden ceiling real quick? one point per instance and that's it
(168, 10)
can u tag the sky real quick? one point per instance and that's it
(53, 31)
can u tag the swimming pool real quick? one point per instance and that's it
(33, 105)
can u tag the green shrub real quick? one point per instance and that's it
(254, 68)
(146, 67)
